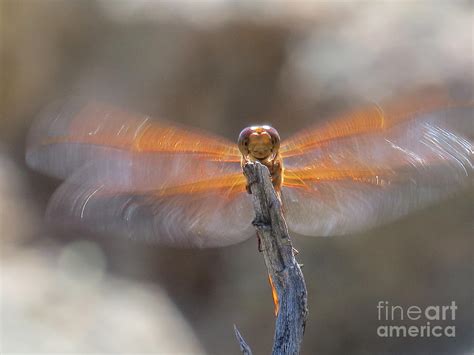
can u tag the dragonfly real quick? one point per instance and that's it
(130, 175)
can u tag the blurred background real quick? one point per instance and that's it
(221, 65)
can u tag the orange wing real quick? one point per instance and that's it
(128, 174)
(199, 219)
(89, 131)
(100, 124)
(377, 164)
(375, 118)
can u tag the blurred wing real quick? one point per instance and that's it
(130, 176)
(69, 134)
(206, 213)
(368, 177)
(375, 118)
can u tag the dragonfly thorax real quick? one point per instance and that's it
(262, 143)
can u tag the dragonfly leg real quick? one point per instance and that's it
(247, 187)
(259, 241)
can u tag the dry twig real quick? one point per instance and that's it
(283, 269)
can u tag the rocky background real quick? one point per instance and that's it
(221, 65)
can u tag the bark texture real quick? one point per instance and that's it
(278, 252)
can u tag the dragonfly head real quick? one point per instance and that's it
(259, 142)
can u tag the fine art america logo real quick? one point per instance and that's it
(413, 321)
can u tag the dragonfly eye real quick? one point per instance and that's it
(260, 142)
(243, 141)
(275, 139)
